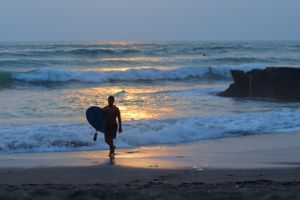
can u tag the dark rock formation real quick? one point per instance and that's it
(272, 82)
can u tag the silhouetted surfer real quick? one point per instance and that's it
(112, 113)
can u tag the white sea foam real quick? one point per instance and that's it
(144, 74)
(73, 137)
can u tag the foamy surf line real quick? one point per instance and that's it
(67, 137)
(130, 75)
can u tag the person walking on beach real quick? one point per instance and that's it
(112, 113)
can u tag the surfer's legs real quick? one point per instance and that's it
(107, 138)
(110, 134)
(109, 141)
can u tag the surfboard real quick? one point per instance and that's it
(96, 118)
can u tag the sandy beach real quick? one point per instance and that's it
(259, 166)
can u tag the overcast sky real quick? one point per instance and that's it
(47, 20)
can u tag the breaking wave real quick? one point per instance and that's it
(66, 137)
(130, 75)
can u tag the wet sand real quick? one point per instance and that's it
(249, 167)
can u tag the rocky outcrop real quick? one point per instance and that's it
(272, 82)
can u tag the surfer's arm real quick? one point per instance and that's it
(119, 121)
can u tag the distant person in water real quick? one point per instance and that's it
(112, 113)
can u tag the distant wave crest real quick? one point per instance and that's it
(99, 51)
(71, 51)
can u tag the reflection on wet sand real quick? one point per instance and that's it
(112, 160)
(148, 157)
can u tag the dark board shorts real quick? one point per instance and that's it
(111, 130)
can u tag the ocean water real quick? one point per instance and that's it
(166, 91)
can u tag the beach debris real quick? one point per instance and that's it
(197, 168)
(130, 152)
(153, 166)
(179, 156)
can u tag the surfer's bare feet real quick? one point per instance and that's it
(112, 152)
(112, 155)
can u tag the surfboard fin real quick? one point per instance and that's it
(95, 136)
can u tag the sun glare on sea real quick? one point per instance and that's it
(143, 59)
(134, 103)
(107, 69)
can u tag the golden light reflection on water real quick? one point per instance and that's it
(144, 59)
(120, 43)
(106, 69)
(134, 103)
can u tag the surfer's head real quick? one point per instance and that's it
(111, 100)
